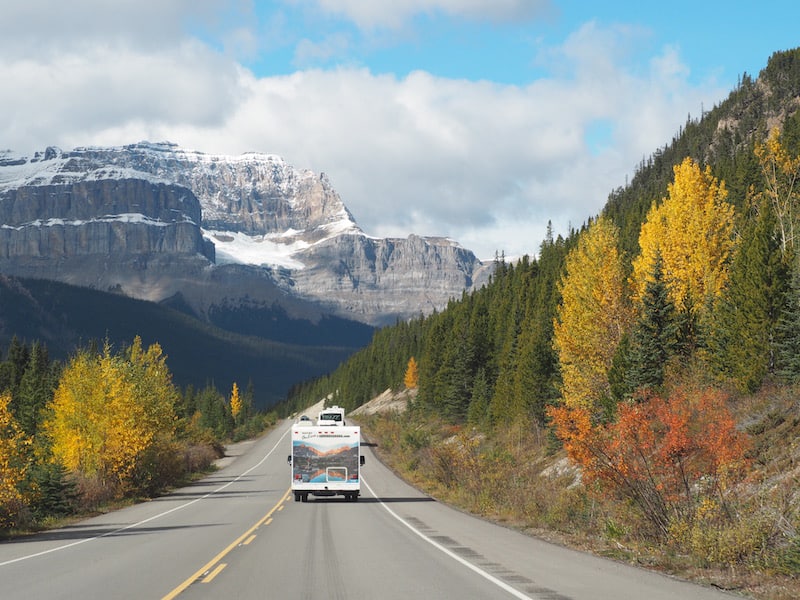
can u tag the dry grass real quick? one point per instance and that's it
(515, 478)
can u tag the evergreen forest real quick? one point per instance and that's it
(636, 381)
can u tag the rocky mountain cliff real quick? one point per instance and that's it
(155, 221)
(106, 217)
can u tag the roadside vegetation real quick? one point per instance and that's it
(741, 536)
(106, 427)
(633, 389)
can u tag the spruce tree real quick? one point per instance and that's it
(456, 379)
(533, 381)
(52, 491)
(742, 344)
(654, 336)
(13, 369)
(788, 332)
(618, 378)
(478, 412)
(35, 389)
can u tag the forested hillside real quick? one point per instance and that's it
(263, 347)
(656, 347)
(490, 355)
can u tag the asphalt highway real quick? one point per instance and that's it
(239, 534)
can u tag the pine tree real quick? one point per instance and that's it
(742, 344)
(35, 389)
(13, 368)
(430, 364)
(478, 412)
(653, 339)
(788, 331)
(215, 414)
(533, 381)
(53, 492)
(456, 375)
(501, 406)
(248, 400)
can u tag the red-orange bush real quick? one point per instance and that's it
(663, 454)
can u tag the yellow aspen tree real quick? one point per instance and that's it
(155, 392)
(122, 420)
(781, 173)
(143, 407)
(107, 410)
(75, 426)
(144, 413)
(236, 402)
(13, 465)
(692, 228)
(411, 379)
(593, 316)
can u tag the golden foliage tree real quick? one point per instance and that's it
(236, 402)
(12, 462)
(152, 390)
(411, 379)
(108, 409)
(692, 229)
(781, 173)
(593, 316)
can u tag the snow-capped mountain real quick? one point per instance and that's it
(155, 220)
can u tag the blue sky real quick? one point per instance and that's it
(480, 120)
(715, 38)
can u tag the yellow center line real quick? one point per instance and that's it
(205, 568)
(210, 577)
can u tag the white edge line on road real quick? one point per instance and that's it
(488, 576)
(154, 517)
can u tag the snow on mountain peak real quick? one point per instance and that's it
(257, 208)
(54, 167)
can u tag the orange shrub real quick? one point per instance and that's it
(663, 454)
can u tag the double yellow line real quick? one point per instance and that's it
(207, 567)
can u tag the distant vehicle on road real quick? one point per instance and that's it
(333, 415)
(325, 458)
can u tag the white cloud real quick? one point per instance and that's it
(39, 28)
(74, 98)
(394, 14)
(483, 163)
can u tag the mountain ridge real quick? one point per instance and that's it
(256, 211)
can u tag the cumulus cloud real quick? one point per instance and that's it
(40, 28)
(486, 164)
(74, 96)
